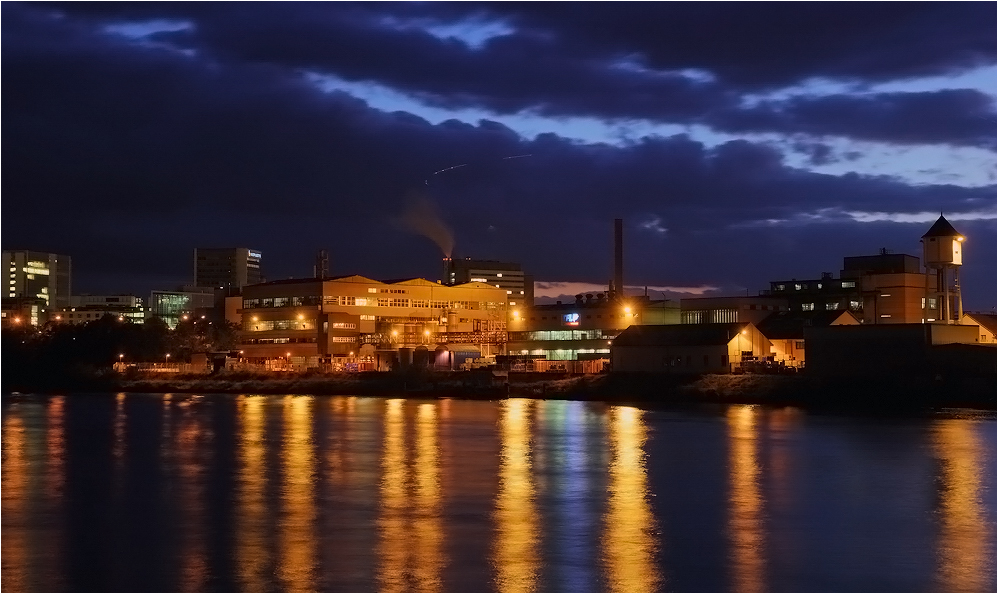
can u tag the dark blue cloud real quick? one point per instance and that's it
(127, 156)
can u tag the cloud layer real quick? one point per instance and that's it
(135, 132)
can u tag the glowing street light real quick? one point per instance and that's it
(168, 358)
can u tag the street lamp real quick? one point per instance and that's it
(168, 359)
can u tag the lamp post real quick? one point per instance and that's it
(167, 360)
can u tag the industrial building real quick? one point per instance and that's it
(785, 332)
(583, 329)
(508, 276)
(723, 310)
(689, 348)
(885, 288)
(226, 268)
(308, 322)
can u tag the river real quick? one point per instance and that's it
(181, 492)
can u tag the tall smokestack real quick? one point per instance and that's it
(618, 257)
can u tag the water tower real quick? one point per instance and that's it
(942, 252)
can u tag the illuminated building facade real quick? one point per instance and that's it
(87, 308)
(508, 276)
(172, 306)
(38, 275)
(226, 268)
(583, 329)
(309, 320)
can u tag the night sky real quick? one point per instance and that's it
(741, 143)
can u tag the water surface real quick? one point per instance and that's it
(172, 492)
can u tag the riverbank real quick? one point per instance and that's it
(841, 393)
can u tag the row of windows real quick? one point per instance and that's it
(278, 340)
(562, 335)
(262, 325)
(281, 302)
(803, 286)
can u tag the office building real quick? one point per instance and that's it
(38, 276)
(226, 268)
(87, 308)
(519, 287)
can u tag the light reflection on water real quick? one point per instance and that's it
(745, 503)
(964, 530)
(269, 493)
(630, 538)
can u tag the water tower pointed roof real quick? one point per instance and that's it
(941, 228)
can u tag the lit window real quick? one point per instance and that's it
(885, 294)
(798, 286)
(848, 284)
(512, 302)
(807, 306)
(507, 292)
(521, 292)
(819, 285)
(498, 275)
(372, 290)
(885, 315)
(832, 305)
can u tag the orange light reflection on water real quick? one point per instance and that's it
(629, 540)
(964, 534)
(515, 552)
(251, 546)
(13, 538)
(393, 546)
(746, 502)
(298, 560)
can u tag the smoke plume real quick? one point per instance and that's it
(421, 216)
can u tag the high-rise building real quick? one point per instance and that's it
(509, 276)
(38, 276)
(226, 268)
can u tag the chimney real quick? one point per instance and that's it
(618, 257)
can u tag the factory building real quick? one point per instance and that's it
(583, 329)
(308, 322)
(689, 349)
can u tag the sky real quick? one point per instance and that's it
(741, 143)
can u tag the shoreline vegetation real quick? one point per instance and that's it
(860, 394)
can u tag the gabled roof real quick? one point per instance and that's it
(988, 321)
(476, 285)
(941, 228)
(679, 334)
(791, 324)
(418, 282)
(354, 278)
